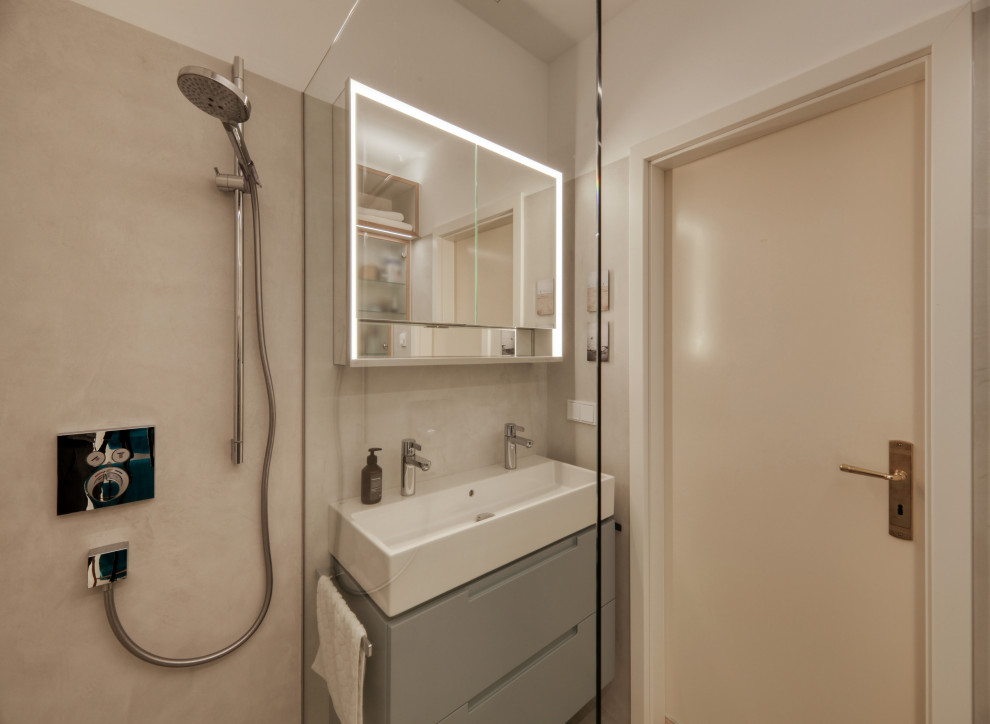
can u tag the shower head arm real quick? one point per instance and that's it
(240, 150)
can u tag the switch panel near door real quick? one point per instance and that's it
(105, 468)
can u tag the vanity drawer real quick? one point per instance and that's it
(447, 651)
(552, 686)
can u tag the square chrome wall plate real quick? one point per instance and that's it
(105, 468)
(107, 564)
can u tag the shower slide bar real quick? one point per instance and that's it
(224, 184)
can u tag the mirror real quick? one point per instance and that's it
(448, 246)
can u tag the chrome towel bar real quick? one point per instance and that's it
(367, 648)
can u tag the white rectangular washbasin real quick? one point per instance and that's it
(406, 550)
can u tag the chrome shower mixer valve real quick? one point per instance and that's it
(105, 468)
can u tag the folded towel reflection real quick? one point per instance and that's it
(382, 221)
(340, 659)
(392, 215)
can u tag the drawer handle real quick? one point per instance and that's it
(522, 668)
(494, 580)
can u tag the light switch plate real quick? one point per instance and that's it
(578, 411)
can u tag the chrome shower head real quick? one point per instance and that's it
(214, 94)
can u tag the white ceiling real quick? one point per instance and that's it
(284, 40)
(546, 28)
(287, 40)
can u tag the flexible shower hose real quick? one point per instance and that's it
(115, 624)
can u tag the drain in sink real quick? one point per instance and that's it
(483, 516)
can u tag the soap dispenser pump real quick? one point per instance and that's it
(371, 479)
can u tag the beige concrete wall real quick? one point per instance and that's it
(116, 302)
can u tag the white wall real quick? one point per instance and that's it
(577, 442)
(116, 308)
(441, 58)
(981, 365)
(666, 63)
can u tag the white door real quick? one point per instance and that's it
(796, 337)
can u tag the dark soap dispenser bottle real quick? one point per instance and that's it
(371, 479)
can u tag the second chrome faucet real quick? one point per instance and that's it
(410, 463)
(511, 440)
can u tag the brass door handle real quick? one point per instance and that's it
(895, 477)
(900, 522)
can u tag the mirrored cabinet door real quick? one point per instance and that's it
(374, 340)
(383, 277)
(450, 237)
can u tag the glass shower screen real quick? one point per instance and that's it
(471, 590)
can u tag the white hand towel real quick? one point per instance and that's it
(340, 659)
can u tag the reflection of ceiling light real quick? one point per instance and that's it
(360, 89)
(391, 232)
(344, 25)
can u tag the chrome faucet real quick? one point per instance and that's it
(410, 462)
(511, 440)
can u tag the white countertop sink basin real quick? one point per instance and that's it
(406, 550)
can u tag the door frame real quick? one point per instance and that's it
(938, 51)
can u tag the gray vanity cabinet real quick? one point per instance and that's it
(516, 645)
